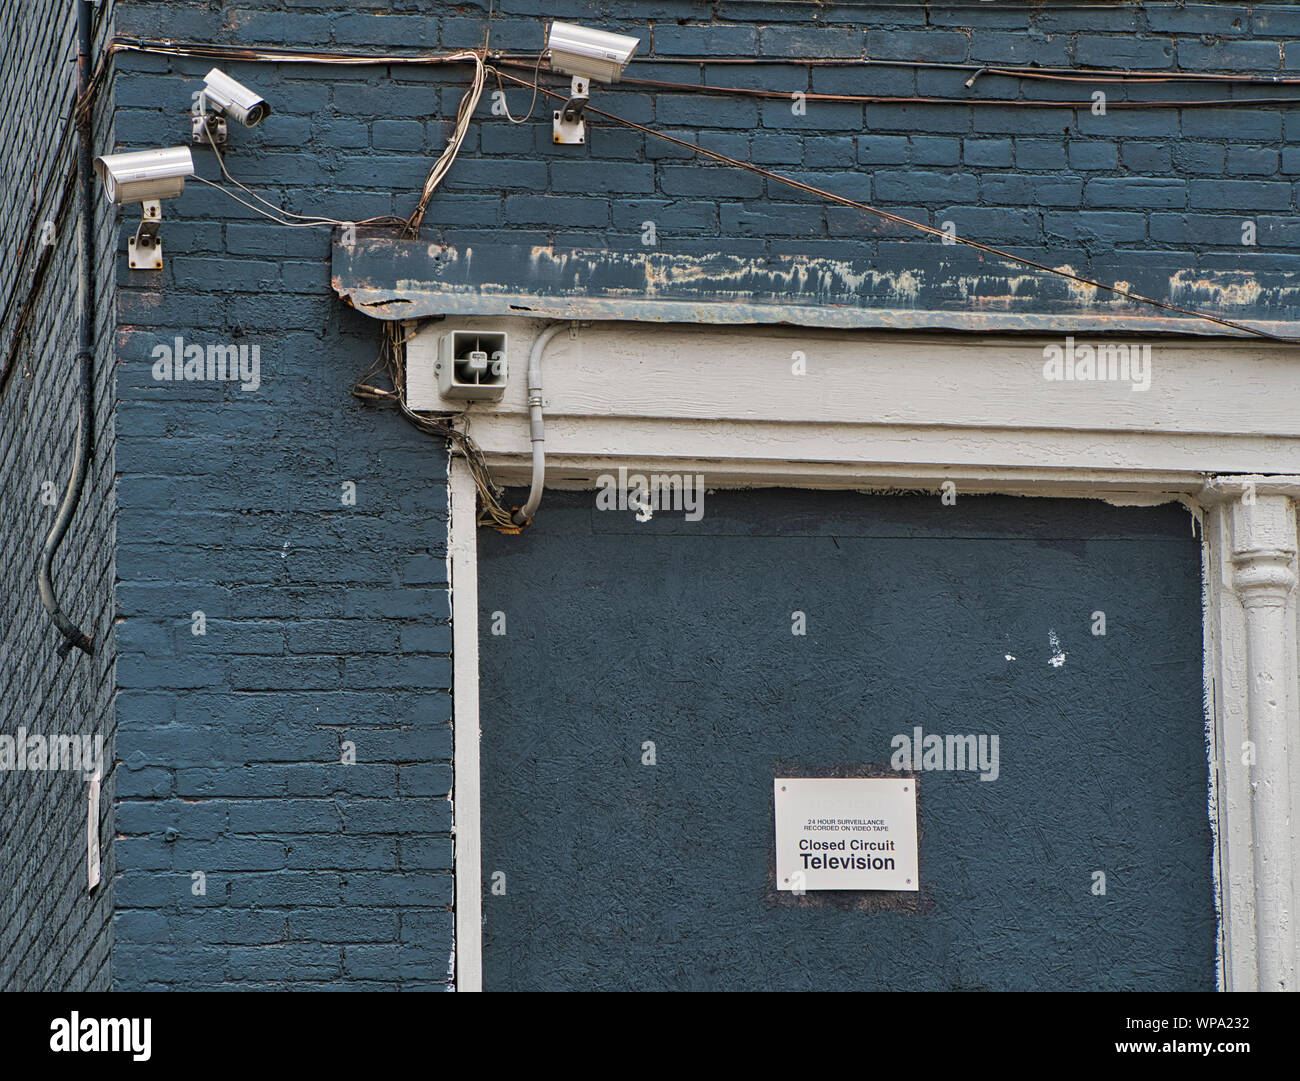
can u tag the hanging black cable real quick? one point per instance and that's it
(83, 453)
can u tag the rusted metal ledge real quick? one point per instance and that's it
(908, 286)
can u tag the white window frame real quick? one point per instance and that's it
(1222, 437)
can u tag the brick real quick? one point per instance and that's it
(1123, 51)
(1090, 228)
(1252, 161)
(1154, 159)
(1199, 159)
(1093, 155)
(598, 177)
(1220, 20)
(1036, 155)
(1248, 125)
(397, 135)
(817, 41)
(985, 153)
(881, 149)
(552, 210)
(705, 111)
(946, 46)
(775, 148)
(909, 119)
(1126, 192)
(1247, 195)
(895, 185)
(990, 224)
(934, 150)
(1271, 21)
(773, 218)
(831, 152)
(696, 182)
(705, 40)
(1230, 56)
(1196, 229)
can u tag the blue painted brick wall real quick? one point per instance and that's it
(328, 623)
(54, 933)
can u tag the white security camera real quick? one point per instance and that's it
(584, 54)
(234, 99)
(589, 54)
(145, 176)
(141, 175)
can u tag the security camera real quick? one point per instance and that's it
(589, 54)
(142, 175)
(234, 99)
(225, 97)
(586, 55)
(145, 177)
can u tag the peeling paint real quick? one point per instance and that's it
(1083, 294)
(390, 278)
(1057, 659)
(1237, 289)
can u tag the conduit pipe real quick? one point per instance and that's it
(83, 452)
(536, 429)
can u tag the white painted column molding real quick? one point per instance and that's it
(462, 559)
(1258, 524)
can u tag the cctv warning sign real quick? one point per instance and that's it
(842, 833)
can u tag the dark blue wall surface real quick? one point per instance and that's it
(328, 623)
(1156, 197)
(326, 620)
(55, 933)
(620, 874)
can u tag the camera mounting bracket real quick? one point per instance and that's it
(568, 125)
(144, 250)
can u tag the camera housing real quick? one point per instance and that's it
(234, 99)
(589, 54)
(139, 176)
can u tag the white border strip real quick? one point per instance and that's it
(463, 556)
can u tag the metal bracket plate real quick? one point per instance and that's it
(567, 124)
(207, 129)
(144, 250)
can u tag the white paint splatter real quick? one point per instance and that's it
(1058, 654)
(1010, 656)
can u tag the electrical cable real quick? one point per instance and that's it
(464, 114)
(305, 218)
(276, 54)
(392, 360)
(83, 454)
(930, 230)
(532, 104)
(392, 354)
(306, 224)
(917, 99)
(392, 349)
